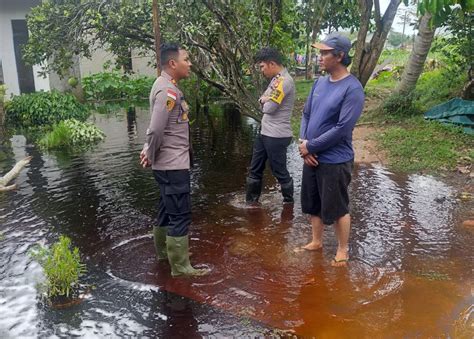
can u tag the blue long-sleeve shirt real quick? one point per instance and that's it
(329, 117)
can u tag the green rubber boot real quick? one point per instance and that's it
(178, 256)
(159, 238)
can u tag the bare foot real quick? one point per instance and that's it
(340, 260)
(312, 246)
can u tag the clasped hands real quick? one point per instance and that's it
(309, 159)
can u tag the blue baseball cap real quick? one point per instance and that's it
(335, 41)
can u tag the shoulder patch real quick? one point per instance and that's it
(171, 99)
(277, 95)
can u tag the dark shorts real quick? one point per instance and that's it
(174, 208)
(324, 190)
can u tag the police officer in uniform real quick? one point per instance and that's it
(271, 143)
(167, 151)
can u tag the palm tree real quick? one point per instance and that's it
(418, 55)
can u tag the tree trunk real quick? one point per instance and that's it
(308, 55)
(418, 55)
(156, 28)
(367, 55)
(5, 180)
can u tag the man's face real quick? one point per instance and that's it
(266, 68)
(182, 64)
(328, 61)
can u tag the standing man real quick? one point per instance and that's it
(329, 117)
(271, 143)
(167, 151)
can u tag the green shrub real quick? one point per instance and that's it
(71, 133)
(62, 266)
(43, 108)
(116, 86)
(3, 90)
(400, 105)
(439, 85)
(396, 56)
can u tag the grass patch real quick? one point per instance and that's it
(394, 56)
(415, 144)
(378, 88)
(296, 124)
(62, 266)
(437, 86)
(303, 87)
(71, 134)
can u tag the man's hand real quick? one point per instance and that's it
(263, 99)
(311, 160)
(144, 162)
(302, 148)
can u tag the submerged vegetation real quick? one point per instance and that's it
(43, 109)
(71, 133)
(116, 86)
(62, 267)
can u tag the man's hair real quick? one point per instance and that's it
(268, 54)
(168, 51)
(346, 59)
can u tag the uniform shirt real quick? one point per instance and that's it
(167, 137)
(329, 117)
(277, 111)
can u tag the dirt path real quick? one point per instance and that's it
(365, 147)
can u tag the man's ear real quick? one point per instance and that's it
(172, 64)
(341, 56)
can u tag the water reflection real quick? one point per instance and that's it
(410, 271)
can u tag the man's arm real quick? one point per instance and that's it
(159, 119)
(277, 95)
(350, 112)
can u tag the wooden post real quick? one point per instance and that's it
(156, 28)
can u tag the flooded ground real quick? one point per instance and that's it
(411, 269)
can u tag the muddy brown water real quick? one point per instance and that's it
(411, 269)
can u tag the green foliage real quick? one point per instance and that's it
(116, 86)
(3, 90)
(396, 39)
(71, 134)
(437, 86)
(303, 87)
(442, 9)
(224, 34)
(402, 105)
(43, 108)
(397, 57)
(62, 266)
(456, 47)
(418, 145)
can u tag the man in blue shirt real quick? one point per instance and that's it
(329, 117)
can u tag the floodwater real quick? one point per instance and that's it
(410, 274)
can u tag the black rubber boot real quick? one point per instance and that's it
(254, 189)
(287, 191)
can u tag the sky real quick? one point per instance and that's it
(398, 22)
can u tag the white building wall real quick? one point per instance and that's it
(140, 64)
(15, 10)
